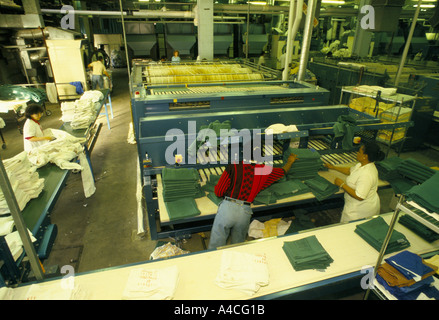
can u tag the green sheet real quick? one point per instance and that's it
(374, 232)
(182, 208)
(307, 253)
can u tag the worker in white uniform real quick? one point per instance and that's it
(361, 185)
(97, 77)
(33, 135)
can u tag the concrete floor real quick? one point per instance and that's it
(101, 231)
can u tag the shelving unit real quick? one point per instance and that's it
(398, 99)
(415, 213)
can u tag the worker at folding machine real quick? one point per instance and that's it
(239, 184)
(97, 77)
(33, 135)
(361, 185)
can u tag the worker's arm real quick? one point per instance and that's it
(344, 170)
(106, 73)
(291, 159)
(346, 188)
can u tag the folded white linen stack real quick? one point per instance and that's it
(81, 112)
(278, 128)
(24, 180)
(152, 284)
(92, 95)
(243, 271)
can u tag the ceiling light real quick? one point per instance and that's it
(333, 2)
(260, 3)
(425, 5)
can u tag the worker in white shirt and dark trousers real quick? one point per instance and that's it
(33, 135)
(361, 185)
(98, 72)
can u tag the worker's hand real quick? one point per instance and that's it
(338, 182)
(329, 165)
(292, 158)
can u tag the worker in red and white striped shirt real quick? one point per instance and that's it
(239, 184)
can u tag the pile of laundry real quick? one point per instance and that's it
(408, 277)
(27, 185)
(81, 112)
(151, 284)
(243, 271)
(61, 152)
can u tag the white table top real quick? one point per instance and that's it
(197, 272)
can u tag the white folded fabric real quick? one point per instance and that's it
(243, 271)
(280, 128)
(151, 284)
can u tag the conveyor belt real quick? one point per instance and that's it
(216, 89)
(276, 150)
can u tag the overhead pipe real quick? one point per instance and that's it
(306, 40)
(296, 12)
(407, 44)
(134, 14)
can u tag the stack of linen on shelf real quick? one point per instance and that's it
(306, 166)
(420, 229)
(415, 170)
(408, 277)
(374, 232)
(151, 284)
(395, 114)
(426, 194)
(403, 174)
(243, 271)
(307, 253)
(180, 188)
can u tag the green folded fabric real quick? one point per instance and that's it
(180, 174)
(321, 188)
(214, 198)
(415, 170)
(300, 222)
(182, 208)
(306, 166)
(420, 229)
(307, 253)
(426, 194)
(401, 185)
(374, 232)
(179, 183)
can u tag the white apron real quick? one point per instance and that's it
(364, 180)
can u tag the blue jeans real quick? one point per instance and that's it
(231, 219)
(97, 80)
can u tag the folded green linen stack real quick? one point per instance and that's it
(280, 190)
(420, 229)
(387, 169)
(306, 166)
(211, 183)
(307, 253)
(321, 187)
(415, 170)
(426, 194)
(374, 232)
(180, 188)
